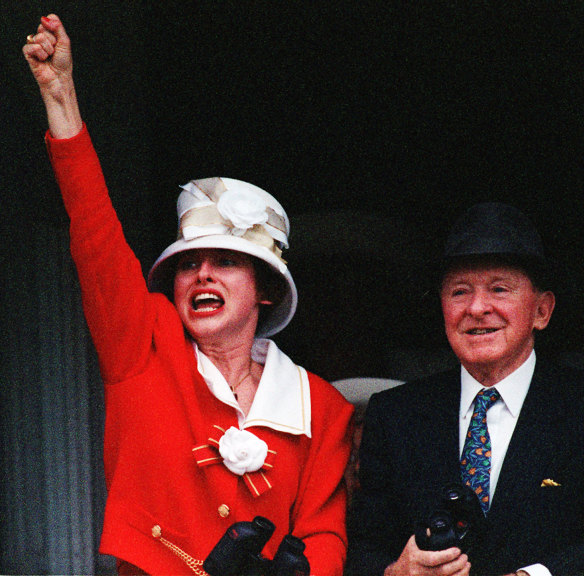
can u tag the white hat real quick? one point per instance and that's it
(233, 215)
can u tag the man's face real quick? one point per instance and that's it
(490, 314)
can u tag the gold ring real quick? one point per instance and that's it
(30, 39)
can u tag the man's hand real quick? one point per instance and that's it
(415, 562)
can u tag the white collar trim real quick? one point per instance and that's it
(282, 400)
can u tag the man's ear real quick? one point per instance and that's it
(543, 312)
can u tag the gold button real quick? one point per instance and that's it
(223, 510)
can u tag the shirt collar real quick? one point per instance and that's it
(282, 400)
(513, 388)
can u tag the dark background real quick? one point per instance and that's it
(374, 123)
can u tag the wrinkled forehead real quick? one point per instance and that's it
(484, 268)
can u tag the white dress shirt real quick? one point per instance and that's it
(501, 420)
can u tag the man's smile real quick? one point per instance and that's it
(481, 331)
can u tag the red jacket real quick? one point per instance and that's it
(158, 408)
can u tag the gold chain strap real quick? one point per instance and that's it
(192, 563)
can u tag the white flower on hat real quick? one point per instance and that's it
(243, 209)
(242, 451)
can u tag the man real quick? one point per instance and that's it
(531, 471)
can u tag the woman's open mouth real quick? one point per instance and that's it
(207, 302)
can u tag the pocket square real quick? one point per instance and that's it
(549, 482)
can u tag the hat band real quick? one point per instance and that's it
(214, 188)
(206, 221)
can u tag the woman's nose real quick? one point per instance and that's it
(205, 271)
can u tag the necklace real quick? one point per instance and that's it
(234, 388)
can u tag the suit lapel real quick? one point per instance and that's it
(532, 444)
(432, 410)
(442, 418)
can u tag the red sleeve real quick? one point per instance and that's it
(115, 297)
(320, 509)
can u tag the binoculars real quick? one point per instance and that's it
(238, 552)
(455, 520)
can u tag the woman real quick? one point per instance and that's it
(207, 424)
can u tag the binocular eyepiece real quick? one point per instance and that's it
(290, 559)
(238, 552)
(455, 520)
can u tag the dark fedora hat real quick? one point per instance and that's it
(498, 231)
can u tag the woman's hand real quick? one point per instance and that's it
(48, 53)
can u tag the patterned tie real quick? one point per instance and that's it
(475, 461)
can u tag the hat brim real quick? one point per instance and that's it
(161, 275)
(541, 271)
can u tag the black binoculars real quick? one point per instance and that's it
(238, 552)
(455, 520)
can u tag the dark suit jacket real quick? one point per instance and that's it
(410, 448)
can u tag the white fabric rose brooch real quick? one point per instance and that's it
(244, 210)
(242, 451)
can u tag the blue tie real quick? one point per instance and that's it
(475, 462)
